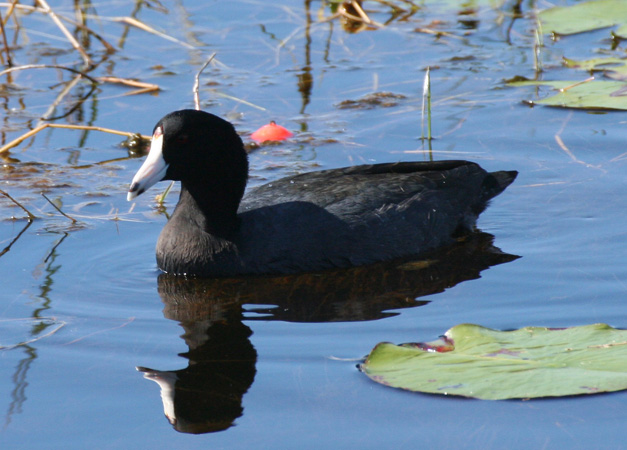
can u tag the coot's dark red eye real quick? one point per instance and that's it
(182, 139)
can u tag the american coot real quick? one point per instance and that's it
(303, 223)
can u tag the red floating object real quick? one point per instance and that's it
(271, 132)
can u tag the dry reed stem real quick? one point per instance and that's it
(362, 15)
(323, 19)
(587, 80)
(393, 6)
(361, 12)
(565, 149)
(108, 47)
(66, 32)
(6, 44)
(437, 33)
(34, 131)
(48, 66)
(50, 333)
(366, 21)
(129, 321)
(14, 5)
(142, 26)
(197, 81)
(66, 90)
(10, 8)
(103, 162)
(239, 100)
(144, 87)
(129, 82)
(141, 91)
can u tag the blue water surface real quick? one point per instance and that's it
(83, 305)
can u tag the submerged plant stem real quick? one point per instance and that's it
(161, 198)
(59, 209)
(31, 216)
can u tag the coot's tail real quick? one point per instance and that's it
(493, 184)
(496, 182)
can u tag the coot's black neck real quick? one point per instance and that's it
(212, 207)
(213, 170)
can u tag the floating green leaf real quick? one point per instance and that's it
(586, 16)
(621, 31)
(587, 95)
(473, 361)
(466, 4)
(614, 68)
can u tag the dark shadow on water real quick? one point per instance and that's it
(206, 396)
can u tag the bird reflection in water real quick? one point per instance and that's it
(206, 396)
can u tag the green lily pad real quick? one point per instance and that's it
(466, 4)
(621, 31)
(586, 16)
(594, 64)
(614, 68)
(586, 95)
(473, 361)
(443, 4)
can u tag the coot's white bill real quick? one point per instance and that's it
(153, 170)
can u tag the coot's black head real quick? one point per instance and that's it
(199, 149)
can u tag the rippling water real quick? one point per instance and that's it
(90, 306)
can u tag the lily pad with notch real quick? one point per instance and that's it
(531, 362)
(586, 16)
(582, 95)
